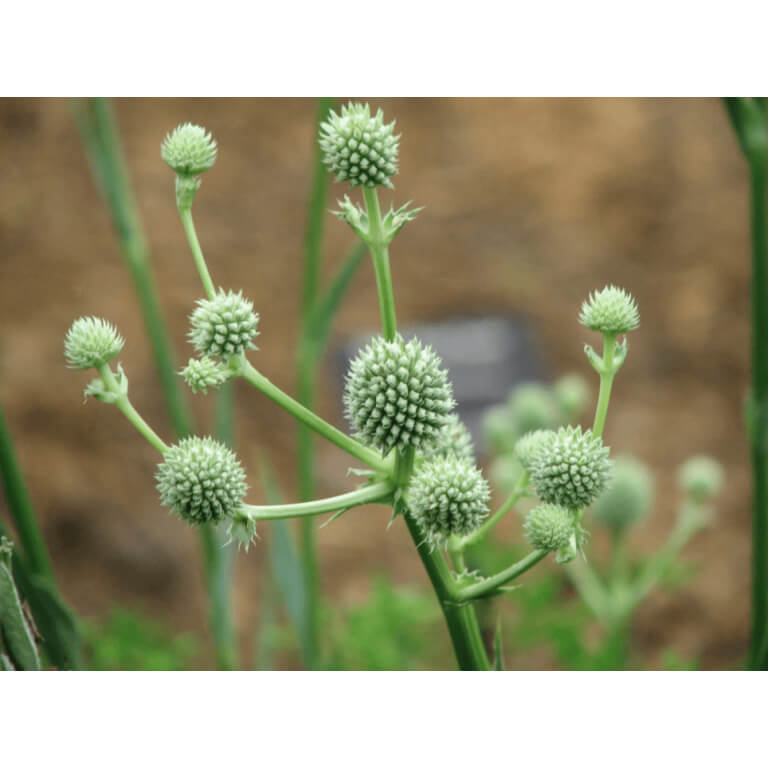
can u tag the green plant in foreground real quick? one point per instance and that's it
(398, 400)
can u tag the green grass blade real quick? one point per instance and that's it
(17, 637)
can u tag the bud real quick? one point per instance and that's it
(531, 442)
(701, 478)
(549, 527)
(571, 469)
(572, 394)
(397, 395)
(611, 311)
(448, 496)
(205, 373)
(189, 149)
(452, 440)
(223, 326)
(359, 148)
(628, 498)
(91, 342)
(533, 407)
(201, 480)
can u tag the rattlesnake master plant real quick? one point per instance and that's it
(398, 398)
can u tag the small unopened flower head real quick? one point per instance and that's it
(204, 374)
(91, 342)
(571, 469)
(611, 311)
(452, 440)
(572, 393)
(189, 149)
(359, 148)
(533, 406)
(397, 394)
(448, 496)
(223, 326)
(530, 443)
(549, 527)
(701, 478)
(628, 498)
(201, 480)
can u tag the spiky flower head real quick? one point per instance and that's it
(91, 342)
(201, 480)
(571, 469)
(358, 148)
(452, 440)
(549, 527)
(189, 149)
(628, 498)
(533, 406)
(223, 326)
(701, 478)
(447, 496)
(397, 394)
(205, 373)
(611, 311)
(530, 443)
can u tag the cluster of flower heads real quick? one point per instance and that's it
(397, 395)
(358, 147)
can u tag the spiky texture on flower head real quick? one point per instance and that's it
(628, 498)
(527, 446)
(571, 469)
(358, 148)
(189, 149)
(549, 527)
(612, 311)
(452, 440)
(446, 496)
(201, 480)
(205, 373)
(397, 394)
(91, 342)
(223, 326)
(701, 478)
(533, 406)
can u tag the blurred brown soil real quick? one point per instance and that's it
(530, 204)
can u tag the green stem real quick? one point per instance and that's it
(606, 382)
(492, 583)
(380, 256)
(367, 495)
(298, 411)
(471, 539)
(188, 223)
(21, 509)
(591, 589)
(127, 409)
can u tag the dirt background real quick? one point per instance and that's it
(530, 204)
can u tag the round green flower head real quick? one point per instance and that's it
(549, 527)
(701, 478)
(397, 394)
(223, 326)
(189, 150)
(452, 440)
(533, 406)
(358, 148)
(201, 480)
(91, 342)
(448, 496)
(611, 311)
(531, 442)
(571, 469)
(205, 373)
(629, 496)
(572, 394)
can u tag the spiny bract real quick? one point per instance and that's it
(201, 480)
(189, 149)
(527, 446)
(91, 342)
(627, 499)
(204, 373)
(448, 496)
(397, 395)
(549, 527)
(701, 477)
(358, 148)
(612, 311)
(452, 440)
(571, 469)
(223, 326)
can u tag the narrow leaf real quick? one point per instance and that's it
(17, 636)
(498, 650)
